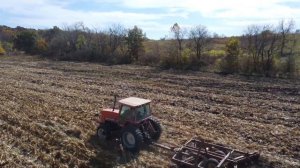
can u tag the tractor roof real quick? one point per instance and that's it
(134, 101)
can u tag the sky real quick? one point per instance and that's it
(155, 17)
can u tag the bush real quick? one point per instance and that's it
(41, 46)
(168, 59)
(216, 53)
(291, 66)
(152, 53)
(285, 67)
(25, 41)
(246, 64)
(2, 51)
(81, 42)
(185, 56)
(58, 47)
(149, 58)
(8, 46)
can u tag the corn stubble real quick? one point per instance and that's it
(47, 113)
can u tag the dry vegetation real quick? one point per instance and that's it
(47, 110)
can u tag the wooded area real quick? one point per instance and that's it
(266, 50)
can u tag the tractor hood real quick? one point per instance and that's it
(109, 114)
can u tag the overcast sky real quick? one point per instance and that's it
(155, 17)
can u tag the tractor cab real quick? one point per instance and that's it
(134, 109)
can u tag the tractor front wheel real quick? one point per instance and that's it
(132, 138)
(103, 131)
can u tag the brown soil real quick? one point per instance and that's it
(47, 112)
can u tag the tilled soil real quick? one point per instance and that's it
(47, 112)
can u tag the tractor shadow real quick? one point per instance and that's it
(110, 153)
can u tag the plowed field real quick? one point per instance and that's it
(47, 111)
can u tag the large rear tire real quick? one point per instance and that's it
(132, 138)
(155, 134)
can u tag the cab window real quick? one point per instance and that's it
(125, 113)
(143, 111)
(124, 110)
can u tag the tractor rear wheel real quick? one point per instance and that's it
(132, 138)
(155, 134)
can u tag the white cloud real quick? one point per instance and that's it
(227, 14)
(230, 14)
(49, 13)
(223, 8)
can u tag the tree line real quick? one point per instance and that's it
(262, 50)
(116, 45)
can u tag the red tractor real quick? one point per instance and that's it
(133, 120)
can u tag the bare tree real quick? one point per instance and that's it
(101, 44)
(269, 49)
(179, 34)
(284, 30)
(71, 33)
(287, 44)
(117, 34)
(250, 44)
(261, 42)
(199, 36)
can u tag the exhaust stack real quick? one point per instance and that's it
(115, 101)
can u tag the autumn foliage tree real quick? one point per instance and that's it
(230, 62)
(41, 46)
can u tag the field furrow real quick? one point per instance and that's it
(47, 112)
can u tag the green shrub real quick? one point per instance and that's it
(185, 56)
(216, 53)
